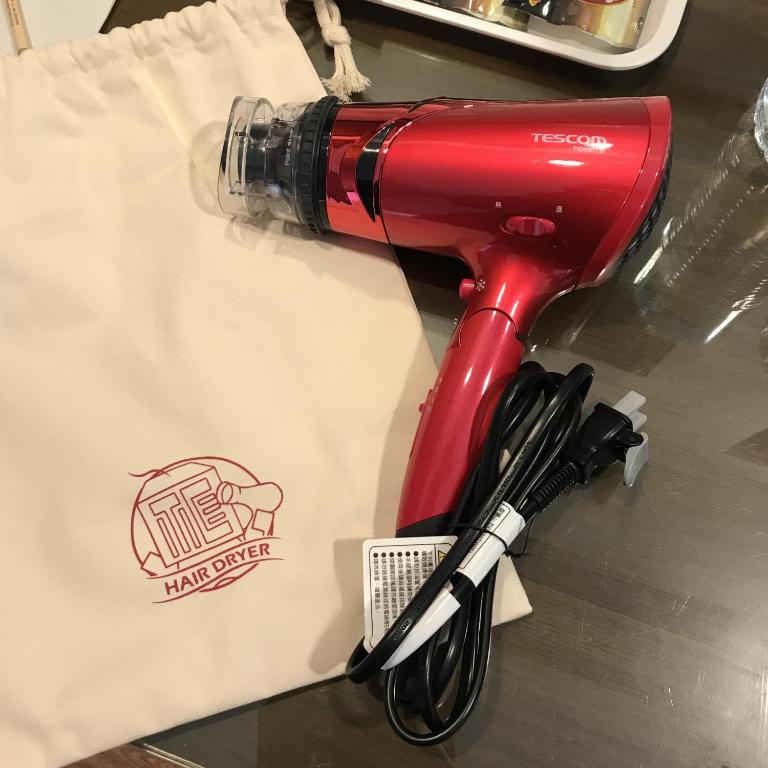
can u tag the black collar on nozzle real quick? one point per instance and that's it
(316, 126)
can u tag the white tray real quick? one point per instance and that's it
(659, 31)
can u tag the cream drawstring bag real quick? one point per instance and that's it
(201, 418)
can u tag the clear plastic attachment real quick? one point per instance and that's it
(259, 159)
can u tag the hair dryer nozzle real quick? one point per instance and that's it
(273, 160)
(260, 159)
(242, 171)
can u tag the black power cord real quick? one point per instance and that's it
(440, 683)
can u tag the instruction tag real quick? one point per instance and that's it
(393, 571)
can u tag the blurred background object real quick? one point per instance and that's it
(54, 21)
(601, 33)
(618, 24)
(491, 10)
(723, 234)
(17, 25)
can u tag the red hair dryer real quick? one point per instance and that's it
(538, 198)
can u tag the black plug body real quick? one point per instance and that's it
(603, 439)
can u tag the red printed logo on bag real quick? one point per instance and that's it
(201, 524)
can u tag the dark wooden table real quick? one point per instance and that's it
(648, 645)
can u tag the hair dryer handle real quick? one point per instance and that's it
(482, 356)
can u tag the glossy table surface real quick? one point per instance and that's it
(648, 644)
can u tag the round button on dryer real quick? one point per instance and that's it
(466, 289)
(529, 226)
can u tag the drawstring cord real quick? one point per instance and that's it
(347, 78)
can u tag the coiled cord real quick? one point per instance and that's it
(440, 683)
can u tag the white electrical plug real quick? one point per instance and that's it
(637, 457)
